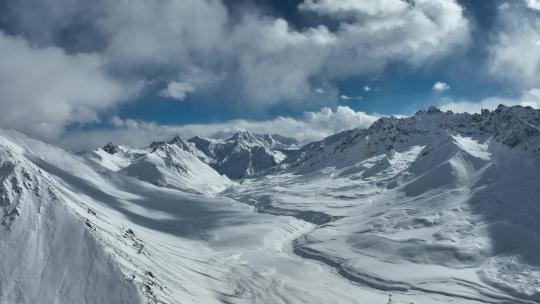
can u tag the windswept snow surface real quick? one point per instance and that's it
(435, 208)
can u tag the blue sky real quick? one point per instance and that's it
(78, 73)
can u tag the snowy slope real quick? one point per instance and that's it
(244, 154)
(102, 237)
(177, 165)
(116, 157)
(48, 256)
(435, 208)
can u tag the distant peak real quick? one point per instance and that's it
(178, 141)
(433, 109)
(243, 134)
(196, 137)
(111, 148)
(430, 110)
(501, 107)
(156, 144)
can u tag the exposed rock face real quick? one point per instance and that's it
(244, 154)
(111, 148)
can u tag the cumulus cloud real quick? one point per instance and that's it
(319, 90)
(529, 98)
(440, 86)
(514, 57)
(346, 97)
(42, 90)
(352, 8)
(254, 59)
(311, 126)
(372, 34)
(266, 60)
(534, 4)
(515, 53)
(177, 90)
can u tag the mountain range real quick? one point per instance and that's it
(438, 207)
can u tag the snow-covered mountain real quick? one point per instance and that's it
(514, 127)
(437, 204)
(434, 208)
(49, 253)
(177, 165)
(116, 157)
(245, 154)
(75, 232)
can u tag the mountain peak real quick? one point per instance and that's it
(433, 110)
(501, 107)
(111, 148)
(156, 144)
(176, 140)
(429, 110)
(243, 135)
(198, 138)
(179, 142)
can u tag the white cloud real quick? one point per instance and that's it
(440, 86)
(367, 89)
(346, 97)
(254, 59)
(177, 90)
(311, 126)
(534, 4)
(266, 60)
(387, 31)
(353, 8)
(531, 98)
(515, 53)
(528, 98)
(44, 89)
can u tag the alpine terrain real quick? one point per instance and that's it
(433, 208)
